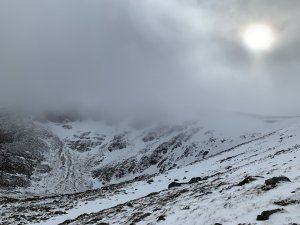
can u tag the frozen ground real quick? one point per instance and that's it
(218, 196)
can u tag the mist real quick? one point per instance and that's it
(126, 56)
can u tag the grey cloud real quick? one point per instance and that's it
(171, 55)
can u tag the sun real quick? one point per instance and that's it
(258, 37)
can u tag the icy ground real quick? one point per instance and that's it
(229, 188)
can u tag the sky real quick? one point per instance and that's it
(126, 56)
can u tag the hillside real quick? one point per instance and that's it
(251, 183)
(65, 154)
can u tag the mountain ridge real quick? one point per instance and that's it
(255, 181)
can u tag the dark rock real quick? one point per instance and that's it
(161, 218)
(174, 184)
(4, 200)
(150, 181)
(247, 180)
(157, 156)
(119, 142)
(118, 170)
(59, 212)
(287, 202)
(66, 222)
(150, 137)
(140, 217)
(12, 181)
(44, 168)
(226, 159)
(205, 153)
(95, 221)
(67, 126)
(275, 180)
(156, 209)
(265, 215)
(83, 145)
(152, 193)
(129, 204)
(195, 180)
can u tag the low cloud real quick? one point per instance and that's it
(128, 56)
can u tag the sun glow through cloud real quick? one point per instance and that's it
(258, 37)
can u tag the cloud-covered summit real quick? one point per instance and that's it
(170, 55)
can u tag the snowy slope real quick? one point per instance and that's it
(88, 154)
(219, 197)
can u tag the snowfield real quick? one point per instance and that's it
(85, 155)
(229, 187)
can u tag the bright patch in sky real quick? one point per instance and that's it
(258, 37)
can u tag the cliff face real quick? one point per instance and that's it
(21, 151)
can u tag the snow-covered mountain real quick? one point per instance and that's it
(256, 182)
(61, 154)
(174, 173)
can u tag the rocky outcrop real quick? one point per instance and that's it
(174, 184)
(265, 215)
(246, 180)
(85, 141)
(160, 157)
(116, 170)
(275, 180)
(83, 145)
(118, 142)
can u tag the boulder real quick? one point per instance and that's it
(265, 215)
(195, 180)
(247, 180)
(275, 180)
(174, 184)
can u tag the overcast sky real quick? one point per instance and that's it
(128, 55)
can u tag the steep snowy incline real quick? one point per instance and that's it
(84, 155)
(232, 187)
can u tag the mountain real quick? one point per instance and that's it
(66, 153)
(91, 172)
